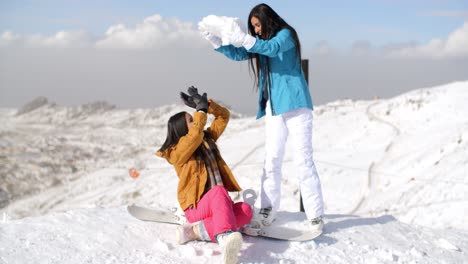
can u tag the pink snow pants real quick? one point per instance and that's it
(219, 213)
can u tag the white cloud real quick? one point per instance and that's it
(9, 36)
(154, 31)
(60, 39)
(456, 45)
(66, 39)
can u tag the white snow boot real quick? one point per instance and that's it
(230, 243)
(316, 223)
(264, 217)
(187, 232)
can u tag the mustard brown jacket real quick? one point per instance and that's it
(192, 172)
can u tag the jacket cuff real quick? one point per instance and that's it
(249, 41)
(212, 106)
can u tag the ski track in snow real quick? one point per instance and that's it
(372, 178)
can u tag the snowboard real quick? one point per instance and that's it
(169, 216)
(155, 215)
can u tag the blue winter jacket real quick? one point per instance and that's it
(289, 88)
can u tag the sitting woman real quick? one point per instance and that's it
(204, 177)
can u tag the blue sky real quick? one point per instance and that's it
(338, 22)
(78, 51)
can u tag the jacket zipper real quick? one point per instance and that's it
(270, 98)
(268, 89)
(271, 102)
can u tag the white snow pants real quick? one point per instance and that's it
(297, 124)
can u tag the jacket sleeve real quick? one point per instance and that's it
(233, 53)
(280, 43)
(221, 120)
(184, 149)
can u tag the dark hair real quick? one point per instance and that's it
(271, 23)
(177, 128)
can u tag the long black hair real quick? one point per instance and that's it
(271, 23)
(177, 128)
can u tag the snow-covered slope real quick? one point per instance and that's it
(112, 236)
(393, 174)
(410, 150)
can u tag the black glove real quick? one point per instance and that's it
(201, 103)
(188, 100)
(193, 91)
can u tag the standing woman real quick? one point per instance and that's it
(274, 51)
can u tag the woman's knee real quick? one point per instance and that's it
(244, 209)
(247, 209)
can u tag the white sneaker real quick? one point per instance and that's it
(316, 223)
(230, 243)
(185, 233)
(264, 217)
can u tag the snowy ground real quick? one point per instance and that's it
(393, 175)
(110, 235)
